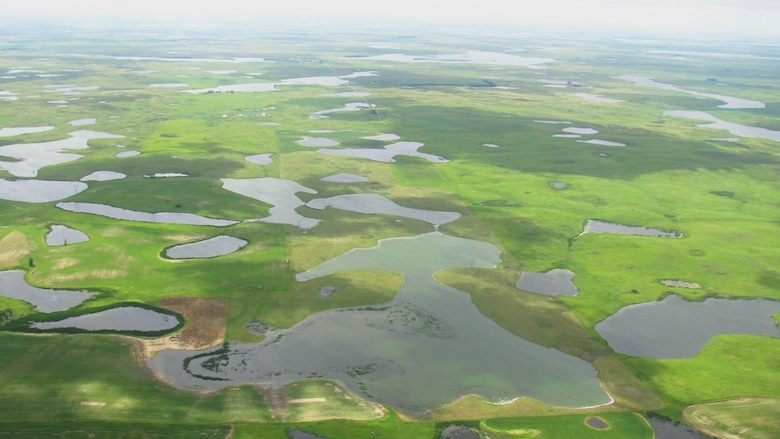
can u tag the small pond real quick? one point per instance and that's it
(300, 434)
(577, 130)
(427, 347)
(676, 328)
(353, 106)
(167, 175)
(672, 430)
(596, 226)
(384, 137)
(103, 176)
(555, 282)
(82, 122)
(602, 142)
(554, 122)
(597, 98)
(317, 142)
(208, 248)
(387, 154)
(123, 154)
(345, 178)
(146, 217)
(123, 318)
(260, 159)
(375, 203)
(39, 191)
(64, 235)
(13, 285)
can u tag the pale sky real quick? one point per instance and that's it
(694, 16)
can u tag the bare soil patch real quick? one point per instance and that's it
(205, 328)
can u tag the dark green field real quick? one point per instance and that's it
(721, 196)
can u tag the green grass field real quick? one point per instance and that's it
(723, 197)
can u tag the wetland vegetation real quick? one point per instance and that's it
(212, 266)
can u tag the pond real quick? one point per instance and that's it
(146, 217)
(389, 137)
(31, 157)
(260, 159)
(279, 193)
(597, 226)
(18, 131)
(734, 128)
(387, 154)
(602, 142)
(426, 348)
(375, 203)
(576, 130)
(317, 142)
(82, 122)
(13, 285)
(597, 98)
(353, 106)
(676, 328)
(730, 101)
(672, 430)
(471, 57)
(39, 191)
(123, 154)
(64, 235)
(345, 178)
(103, 176)
(555, 282)
(208, 248)
(123, 318)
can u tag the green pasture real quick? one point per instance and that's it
(722, 197)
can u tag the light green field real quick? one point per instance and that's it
(723, 197)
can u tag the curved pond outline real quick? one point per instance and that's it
(13, 285)
(426, 348)
(676, 328)
(556, 282)
(387, 154)
(208, 248)
(64, 235)
(279, 193)
(39, 191)
(118, 319)
(145, 217)
(375, 203)
(104, 176)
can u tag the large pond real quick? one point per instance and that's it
(387, 154)
(208, 248)
(602, 142)
(676, 328)
(279, 193)
(31, 157)
(146, 217)
(730, 101)
(555, 282)
(260, 87)
(375, 203)
(426, 348)
(13, 285)
(596, 226)
(123, 318)
(352, 106)
(734, 128)
(39, 191)
(64, 235)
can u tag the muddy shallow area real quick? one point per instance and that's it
(13, 285)
(396, 350)
(676, 328)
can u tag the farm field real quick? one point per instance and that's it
(360, 232)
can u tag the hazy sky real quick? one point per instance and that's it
(695, 16)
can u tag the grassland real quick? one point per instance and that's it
(723, 197)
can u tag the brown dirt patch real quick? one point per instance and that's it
(13, 247)
(206, 318)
